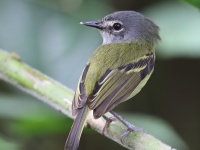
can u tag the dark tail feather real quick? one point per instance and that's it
(73, 139)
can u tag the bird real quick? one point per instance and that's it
(117, 70)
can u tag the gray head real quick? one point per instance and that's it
(126, 26)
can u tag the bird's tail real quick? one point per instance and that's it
(73, 139)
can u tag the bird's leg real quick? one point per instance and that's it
(130, 127)
(108, 121)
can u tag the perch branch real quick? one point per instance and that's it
(17, 73)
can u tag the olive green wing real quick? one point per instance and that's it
(116, 85)
(80, 97)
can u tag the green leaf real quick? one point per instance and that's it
(195, 3)
(8, 145)
(29, 117)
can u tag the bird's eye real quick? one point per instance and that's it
(117, 26)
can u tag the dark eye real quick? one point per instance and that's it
(117, 26)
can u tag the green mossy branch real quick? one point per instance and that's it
(17, 73)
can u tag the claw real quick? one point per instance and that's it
(124, 135)
(130, 129)
(108, 121)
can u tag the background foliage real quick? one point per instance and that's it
(195, 3)
(47, 35)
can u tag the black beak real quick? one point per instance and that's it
(95, 24)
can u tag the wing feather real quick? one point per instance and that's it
(113, 87)
(80, 97)
(119, 85)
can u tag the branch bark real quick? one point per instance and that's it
(17, 73)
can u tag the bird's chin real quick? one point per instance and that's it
(107, 38)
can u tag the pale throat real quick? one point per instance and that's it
(109, 38)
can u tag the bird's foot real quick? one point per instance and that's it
(108, 121)
(130, 128)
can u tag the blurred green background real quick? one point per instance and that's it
(47, 35)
